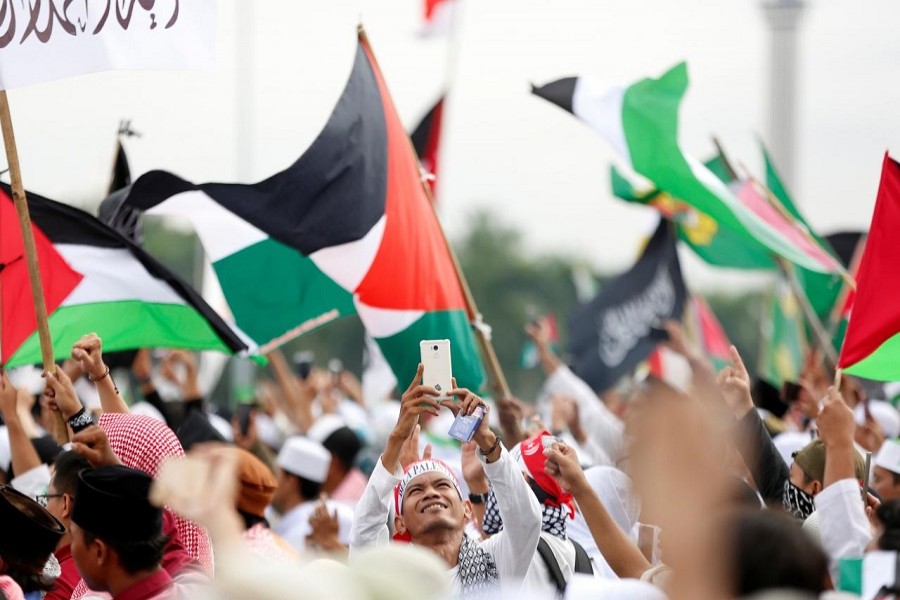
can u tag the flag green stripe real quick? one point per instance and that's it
(401, 350)
(881, 365)
(650, 125)
(274, 291)
(123, 325)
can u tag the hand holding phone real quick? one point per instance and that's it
(438, 371)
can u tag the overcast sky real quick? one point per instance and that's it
(283, 63)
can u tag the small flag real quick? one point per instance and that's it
(426, 139)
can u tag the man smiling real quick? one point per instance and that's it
(431, 512)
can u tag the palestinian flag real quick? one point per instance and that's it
(641, 123)
(18, 319)
(426, 139)
(347, 229)
(872, 343)
(98, 281)
(717, 246)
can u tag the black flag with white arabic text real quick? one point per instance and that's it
(614, 332)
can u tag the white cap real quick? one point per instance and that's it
(304, 458)
(324, 427)
(888, 456)
(884, 413)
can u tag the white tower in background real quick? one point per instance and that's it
(783, 16)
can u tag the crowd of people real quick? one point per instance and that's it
(315, 491)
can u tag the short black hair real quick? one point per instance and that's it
(136, 556)
(770, 551)
(66, 468)
(344, 445)
(251, 520)
(309, 489)
(888, 514)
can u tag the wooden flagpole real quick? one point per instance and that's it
(495, 372)
(34, 274)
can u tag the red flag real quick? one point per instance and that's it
(18, 320)
(872, 344)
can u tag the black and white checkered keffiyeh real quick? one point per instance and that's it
(553, 522)
(477, 571)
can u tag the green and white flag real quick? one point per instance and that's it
(641, 123)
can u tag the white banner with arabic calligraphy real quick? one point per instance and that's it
(44, 40)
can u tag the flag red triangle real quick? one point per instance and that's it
(876, 312)
(412, 269)
(18, 320)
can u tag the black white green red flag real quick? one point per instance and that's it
(96, 280)
(347, 229)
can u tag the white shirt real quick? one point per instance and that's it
(294, 526)
(844, 529)
(513, 550)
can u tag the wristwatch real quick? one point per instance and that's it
(478, 498)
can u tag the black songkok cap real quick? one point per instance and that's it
(113, 504)
(28, 533)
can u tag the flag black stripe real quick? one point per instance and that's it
(559, 92)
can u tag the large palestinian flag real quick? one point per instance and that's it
(872, 343)
(346, 229)
(641, 123)
(96, 280)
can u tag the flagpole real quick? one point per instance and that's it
(834, 319)
(495, 372)
(787, 269)
(731, 172)
(31, 259)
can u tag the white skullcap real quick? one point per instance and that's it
(888, 457)
(884, 413)
(304, 458)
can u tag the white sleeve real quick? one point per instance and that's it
(843, 526)
(33, 481)
(514, 547)
(373, 509)
(602, 427)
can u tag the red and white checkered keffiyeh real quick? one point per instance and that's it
(142, 442)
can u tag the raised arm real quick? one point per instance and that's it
(843, 526)
(751, 438)
(24, 456)
(515, 546)
(372, 511)
(294, 394)
(622, 555)
(88, 352)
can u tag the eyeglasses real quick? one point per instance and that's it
(43, 499)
